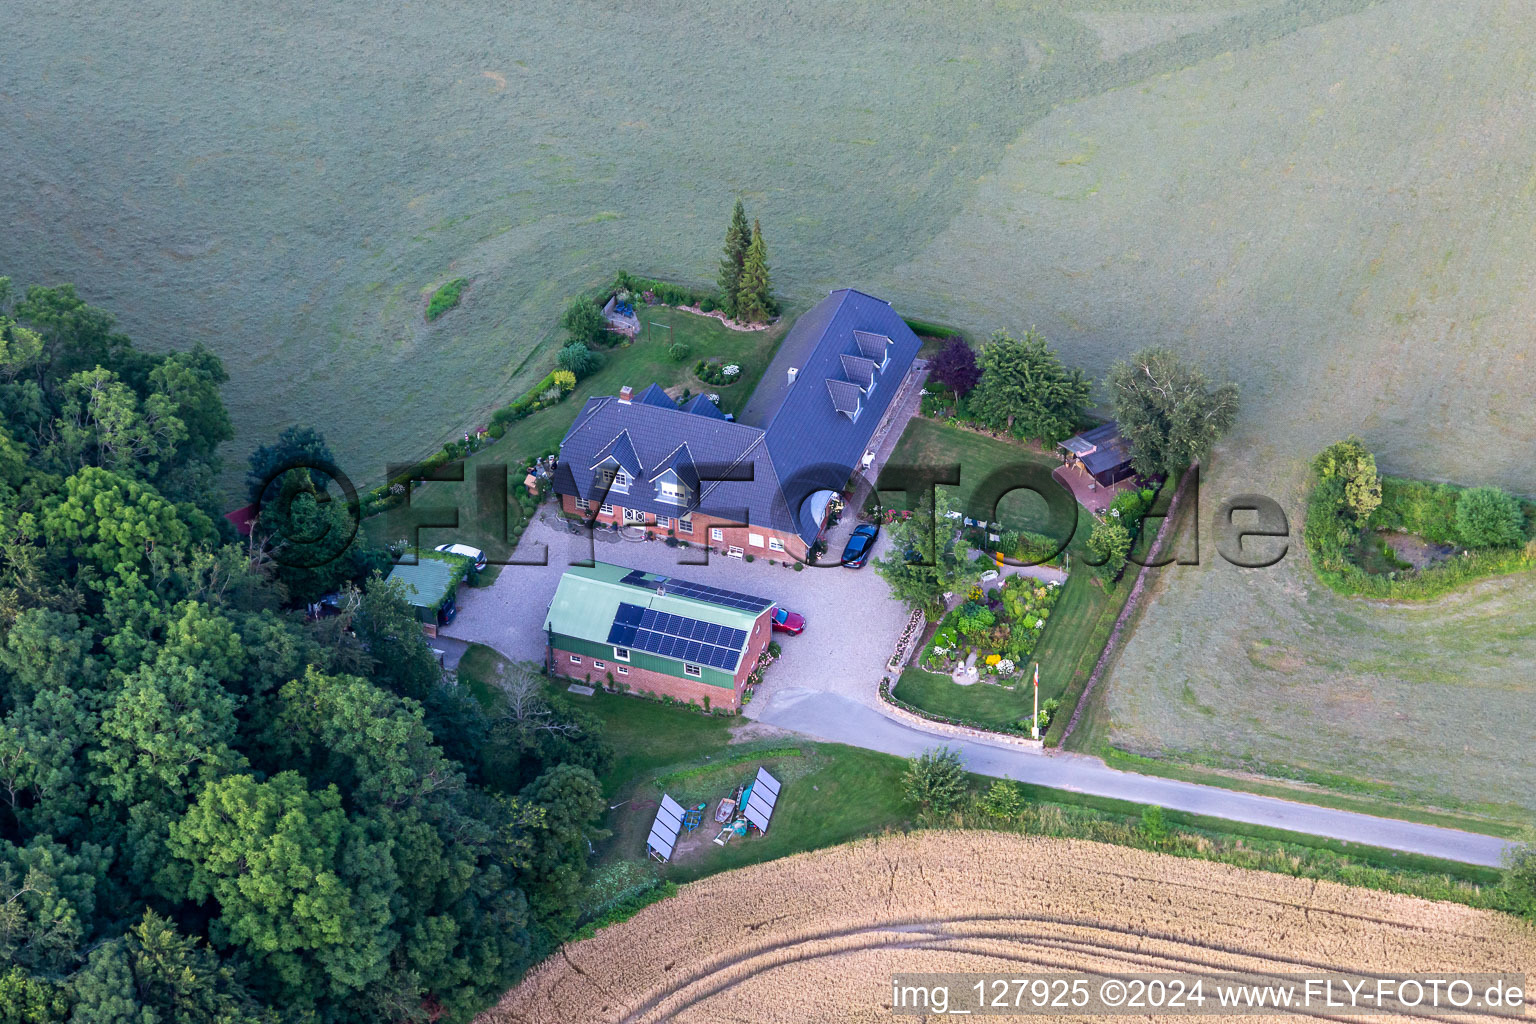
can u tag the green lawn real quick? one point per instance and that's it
(1085, 611)
(986, 704)
(981, 458)
(642, 363)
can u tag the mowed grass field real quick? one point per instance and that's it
(289, 183)
(1329, 201)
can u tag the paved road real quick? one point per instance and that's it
(841, 720)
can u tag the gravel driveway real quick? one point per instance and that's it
(851, 622)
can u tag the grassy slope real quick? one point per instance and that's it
(297, 219)
(1303, 242)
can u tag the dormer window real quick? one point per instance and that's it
(672, 492)
(613, 480)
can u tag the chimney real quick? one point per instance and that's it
(792, 372)
(625, 394)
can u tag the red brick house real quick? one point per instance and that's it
(659, 635)
(760, 486)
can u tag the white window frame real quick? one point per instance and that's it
(685, 523)
(621, 481)
(605, 509)
(774, 544)
(575, 659)
(672, 494)
(665, 522)
(692, 671)
(755, 539)
(621, 654)
(715, 533)
(621, 670)
(583, 505)
(598, 665)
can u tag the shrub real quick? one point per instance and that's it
(1003, 800)
(565, 380)
(1153, 825)
(1109, 543)
(799, 566)
(749, 557)
(1129, 507)
(446, 297)
(955, 367)
(679, 351)
(935, 780)
(580, 360)
(583, 321)
(1487, 517)
(972, 618)
(1520, 873)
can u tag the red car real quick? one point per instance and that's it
(789, 622)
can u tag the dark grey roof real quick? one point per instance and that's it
(621, 450)
(846, 397)
(814, 446)
(699, 405)
(736, 478)
(768, 473)
(679, 462)
(654, 395)
(871, 346)
(859, 370)
(1101, 449)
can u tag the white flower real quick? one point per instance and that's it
(731, 370)
(1005, 667)
(713, 398)
(1115, 512)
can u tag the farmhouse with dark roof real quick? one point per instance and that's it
(758, 486)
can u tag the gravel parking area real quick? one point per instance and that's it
(851, 622)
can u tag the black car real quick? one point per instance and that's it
(856, 554)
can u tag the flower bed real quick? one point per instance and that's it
(711, 371)
(1001, 625)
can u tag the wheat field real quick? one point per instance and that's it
(818, 936)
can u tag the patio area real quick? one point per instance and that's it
(1090, 494)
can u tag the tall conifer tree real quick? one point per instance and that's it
(754, 300)
(737, 237)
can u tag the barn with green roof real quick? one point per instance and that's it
(656, 634)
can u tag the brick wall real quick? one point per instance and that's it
(679, 688)
(730, 535)
(642, 679)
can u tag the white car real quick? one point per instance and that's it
(468, 552)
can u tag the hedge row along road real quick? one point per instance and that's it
(838, 719)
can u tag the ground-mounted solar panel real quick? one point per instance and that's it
(769, 781)
(664, 830)
(763, 799)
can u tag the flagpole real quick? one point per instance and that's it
(1034, 723)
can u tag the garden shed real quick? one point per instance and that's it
(431, 587)
(1102, 452)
